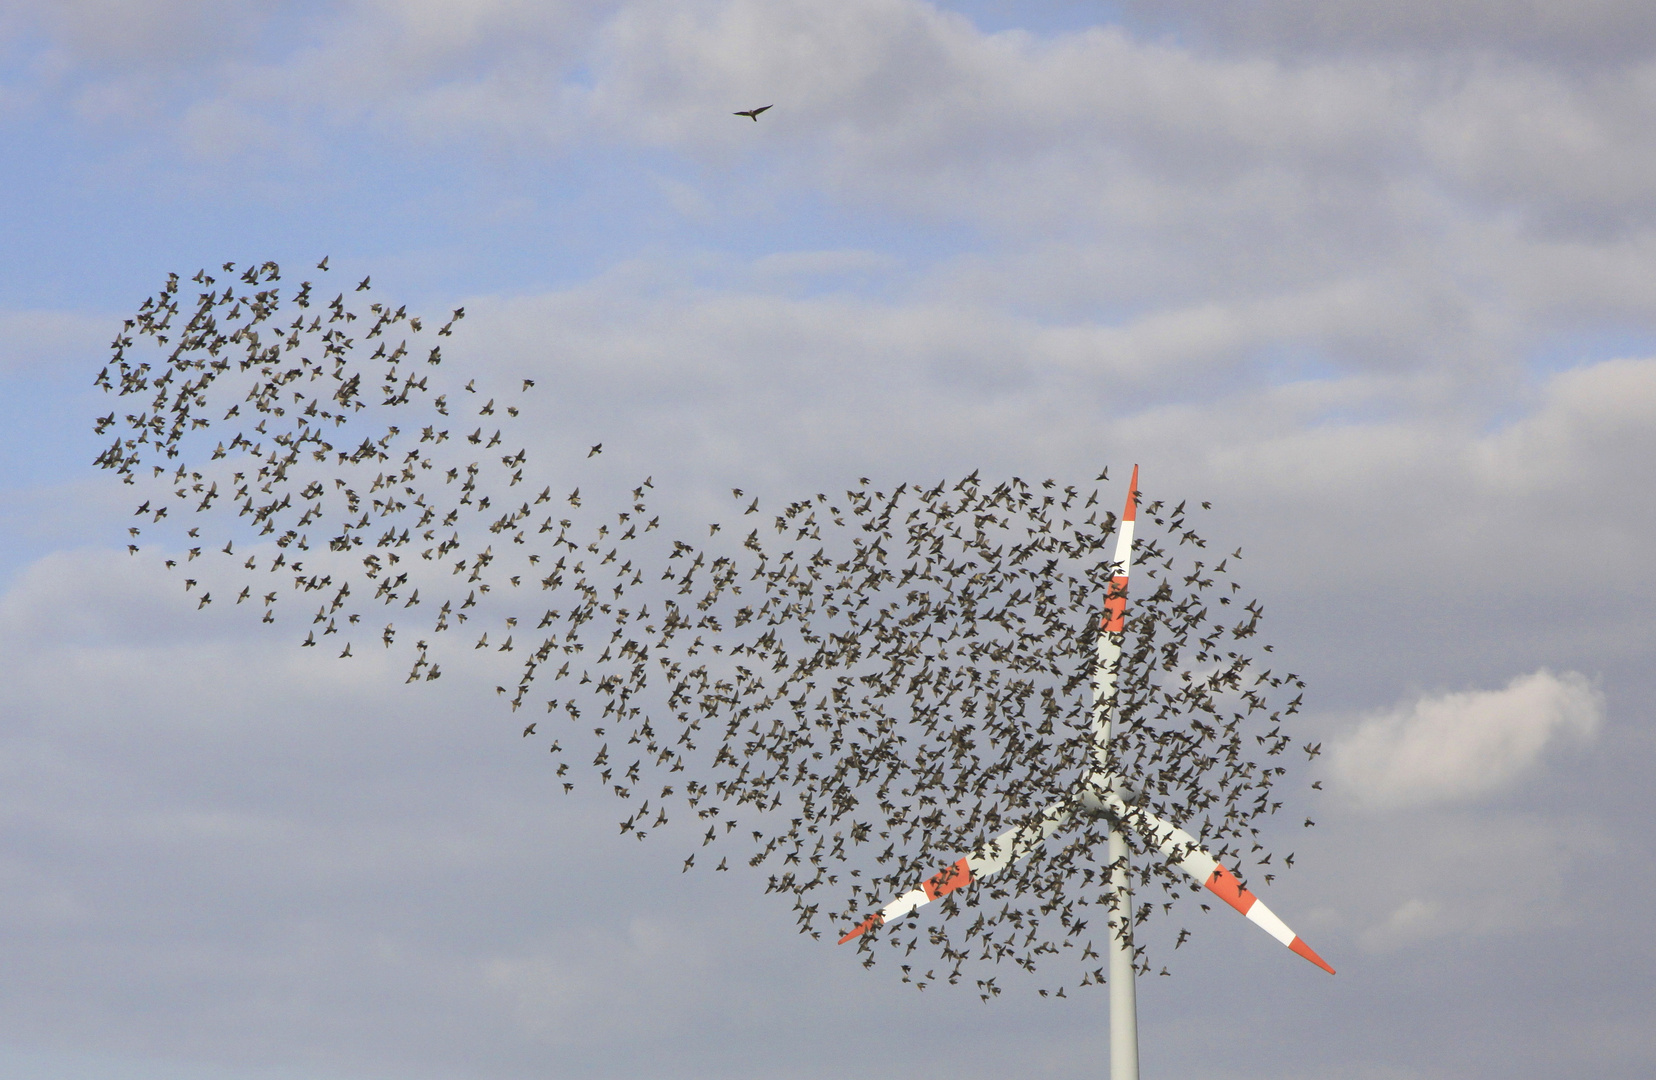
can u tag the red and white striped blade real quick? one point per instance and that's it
(1011, 846)
(1189, 856)
(1112, 624)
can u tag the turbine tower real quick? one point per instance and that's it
(1106, 793)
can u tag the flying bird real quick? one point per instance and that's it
(929, 638)
(752, 114)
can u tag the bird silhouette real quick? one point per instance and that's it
(852, 688)
(752, 114)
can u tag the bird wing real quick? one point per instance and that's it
(1189, 856)
(1011, 846)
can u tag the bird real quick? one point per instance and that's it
(926, 637)
(323, 265)
(752, 114)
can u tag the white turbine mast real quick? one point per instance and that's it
(1105, 793)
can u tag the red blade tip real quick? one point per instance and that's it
(867, 924)
(1300, 947)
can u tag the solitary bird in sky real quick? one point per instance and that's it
(752, 114)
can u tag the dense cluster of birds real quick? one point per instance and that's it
(849, 691)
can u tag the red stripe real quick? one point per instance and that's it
(1131, 513)
(1224, 885)
(947, 880)
(1115, 606)
(1305, 950)
(868, 924)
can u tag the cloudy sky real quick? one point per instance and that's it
(1379, 281)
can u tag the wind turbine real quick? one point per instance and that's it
(1105, 792)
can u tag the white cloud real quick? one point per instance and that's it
(1591, 31)
(1455, 746)
(1203, 211)
(900, 104)
(1585, 417)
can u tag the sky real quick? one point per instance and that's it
(1379, 282)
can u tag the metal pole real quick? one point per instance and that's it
(1123, 994)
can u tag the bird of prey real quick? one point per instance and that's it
(752, 114)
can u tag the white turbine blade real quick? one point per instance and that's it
(1011, 846)
(1189, 856)
(1113, 624)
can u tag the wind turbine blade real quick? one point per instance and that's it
(1011, 846)
(1115, 606)
(1113, 624)
(1189, 856)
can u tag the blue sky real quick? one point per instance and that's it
(1376, 282)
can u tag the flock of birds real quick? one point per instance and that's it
(846, 692)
